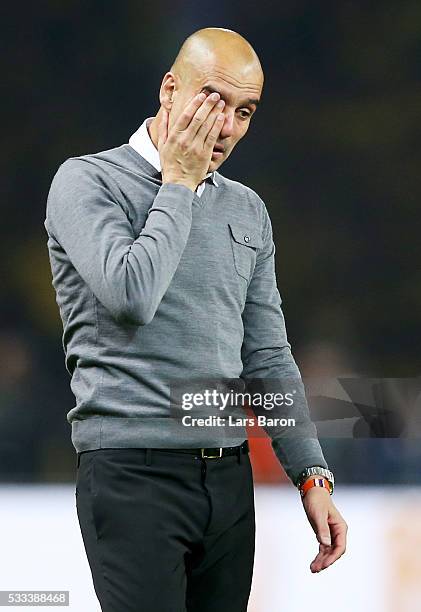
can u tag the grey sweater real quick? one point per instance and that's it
(157, 286)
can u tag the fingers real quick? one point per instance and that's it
(326, 556)
(329, 554)
(330, 529)
(339, 532)
(323, 559)
(185, 118)
(214, 133)
(210, 128)
(202, 117)
(198, 117)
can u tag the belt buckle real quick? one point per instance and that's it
(202, 452)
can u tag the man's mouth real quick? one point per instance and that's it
(218, 151)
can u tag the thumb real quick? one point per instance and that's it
(323, 532)
(163, 128)
(321, 528)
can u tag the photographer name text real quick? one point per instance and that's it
(230, 421)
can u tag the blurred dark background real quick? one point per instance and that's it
(334, 150)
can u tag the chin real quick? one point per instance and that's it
(214, 165)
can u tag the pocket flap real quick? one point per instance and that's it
(246, 236)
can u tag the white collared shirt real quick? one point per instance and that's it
(141, 142)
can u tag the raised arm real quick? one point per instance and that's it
(128, 274)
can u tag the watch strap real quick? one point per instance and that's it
(315, 481)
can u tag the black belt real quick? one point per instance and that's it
(202, 453)
(210, 453)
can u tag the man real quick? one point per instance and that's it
(164, 272)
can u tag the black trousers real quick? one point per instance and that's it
(166, 531)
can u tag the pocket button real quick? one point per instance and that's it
(244, 247)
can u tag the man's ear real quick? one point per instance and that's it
(167, 91)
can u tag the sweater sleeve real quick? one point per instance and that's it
(128, 274)
(269, 366)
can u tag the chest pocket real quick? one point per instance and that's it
(245, 241)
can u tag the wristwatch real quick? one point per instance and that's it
(316, 470)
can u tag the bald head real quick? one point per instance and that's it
(217, 46)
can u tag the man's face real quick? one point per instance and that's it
(241, 91)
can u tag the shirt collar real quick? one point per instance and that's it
(141, 142)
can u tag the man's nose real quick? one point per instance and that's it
(228, 126)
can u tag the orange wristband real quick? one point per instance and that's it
(315, 481)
